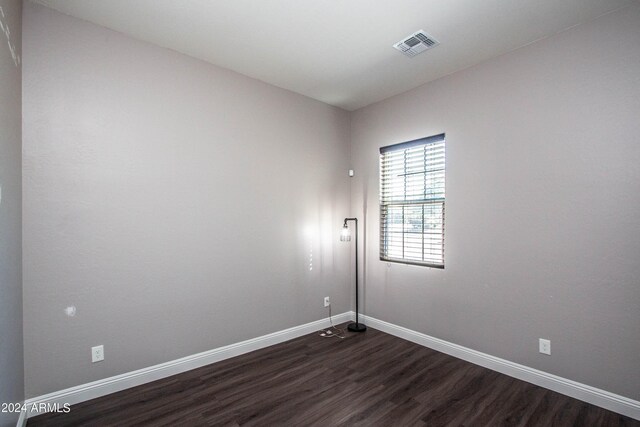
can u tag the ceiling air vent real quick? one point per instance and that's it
(416, 43)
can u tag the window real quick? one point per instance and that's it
(412, 202)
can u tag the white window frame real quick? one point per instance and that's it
(412, 202)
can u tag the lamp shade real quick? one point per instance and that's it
(345, 234)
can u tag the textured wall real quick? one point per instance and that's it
(174, 203)
(11, 355)
(542, 213)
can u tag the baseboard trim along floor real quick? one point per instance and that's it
(604, 399)
(22, 420)
(81, 393)
(121, 382)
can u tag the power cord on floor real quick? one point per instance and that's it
(333, 331)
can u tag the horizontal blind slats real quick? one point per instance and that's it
(412, 193)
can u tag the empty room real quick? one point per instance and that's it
(319, 213)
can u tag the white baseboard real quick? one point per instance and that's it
(595, 396)
(81, 393)
(22, 420)
(121, 382)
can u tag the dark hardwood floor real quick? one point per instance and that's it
(369, 379)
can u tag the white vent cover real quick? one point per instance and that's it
(416, 43)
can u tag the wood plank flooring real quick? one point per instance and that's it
(368, 379)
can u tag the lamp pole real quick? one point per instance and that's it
(357, 326)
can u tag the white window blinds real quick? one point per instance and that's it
(412, 202)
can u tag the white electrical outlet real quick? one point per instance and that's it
(97, 353)
(327, 302)
(545, 346)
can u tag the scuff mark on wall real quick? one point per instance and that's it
(4, 26)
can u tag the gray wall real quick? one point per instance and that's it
(543, 205)
(174, 203)
(11, 355)
(177, 204)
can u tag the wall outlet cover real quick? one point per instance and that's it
(97, 353)
(545, 346)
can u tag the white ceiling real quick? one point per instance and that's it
(338, 51)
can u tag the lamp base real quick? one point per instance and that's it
(356, 327)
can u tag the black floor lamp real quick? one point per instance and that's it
(345, 236)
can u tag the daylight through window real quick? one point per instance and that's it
(412, 178)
